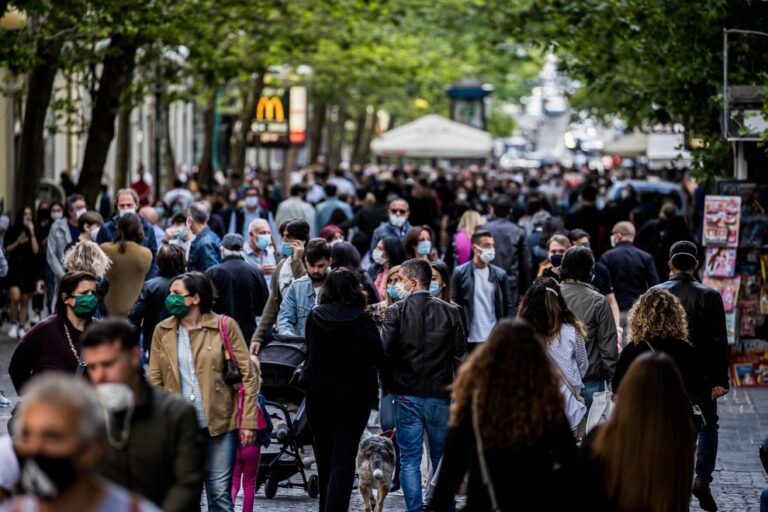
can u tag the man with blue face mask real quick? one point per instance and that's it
(260, 249)
(127, 201)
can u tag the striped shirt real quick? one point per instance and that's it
(190, 386)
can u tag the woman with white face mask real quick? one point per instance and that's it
(389, 252)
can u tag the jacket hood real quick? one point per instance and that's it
(328, 314)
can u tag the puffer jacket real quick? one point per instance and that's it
(219, 398)
(590, 306)
(706, 326)
(425, 343)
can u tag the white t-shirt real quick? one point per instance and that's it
(115, 499)
(484, 311)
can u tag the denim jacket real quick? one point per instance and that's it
(294, 310)
(205, 251)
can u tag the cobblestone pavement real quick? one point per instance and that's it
(738, 479)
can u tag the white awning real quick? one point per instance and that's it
(434, 136)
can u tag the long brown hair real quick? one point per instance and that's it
(646, 450)
(517, 391)
(657, 314)
(545, 309)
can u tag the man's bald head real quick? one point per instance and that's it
(149, 214)
(625, 229)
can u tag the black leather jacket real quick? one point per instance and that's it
(463, 291)
(706, 326)
(425, 343)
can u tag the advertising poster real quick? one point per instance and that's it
(721, 262)
(722, 215)
(728, 288)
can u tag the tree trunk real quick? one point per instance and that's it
(169, 160)
(316, 131)
(116, 75)
(370, 132)
(361, 125)
(32, 153)
(123, 150)
(205, 166)
(247, 115)
(336, 144)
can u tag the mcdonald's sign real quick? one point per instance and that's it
(270, 109)
(270, 125)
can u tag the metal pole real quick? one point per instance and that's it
(158, 128)
(725, 83)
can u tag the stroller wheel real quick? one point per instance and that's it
(313, 487)
(270, 488)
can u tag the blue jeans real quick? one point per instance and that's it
(222, 451)
(706, 448)
(415, 416)
(591, 387)
(764, 500)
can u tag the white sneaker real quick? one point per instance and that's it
(13, 332)
(22, 332)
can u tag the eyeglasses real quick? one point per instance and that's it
(399, 212)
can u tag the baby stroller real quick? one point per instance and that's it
(285, 405)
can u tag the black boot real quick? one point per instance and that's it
(704, 494)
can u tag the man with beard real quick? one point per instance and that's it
(302, 295)
(58, 439)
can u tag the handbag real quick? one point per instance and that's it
(484, 473)
(602, 407)
(232, 373)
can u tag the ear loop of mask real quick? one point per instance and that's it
(125, 433)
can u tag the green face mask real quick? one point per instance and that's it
(85, 305)
(176, 306)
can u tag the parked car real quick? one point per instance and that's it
(655, 191)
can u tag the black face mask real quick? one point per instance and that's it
(46, 477)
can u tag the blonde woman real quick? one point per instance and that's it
(380, 308)
(88, 257)
(658, 324)
(462, 240)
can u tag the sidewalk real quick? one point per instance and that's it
(739, 478)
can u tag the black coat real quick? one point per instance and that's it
(524, 478)
(706, 326)
(149, 310)
(513, 255)
(425, 344)
(632, 272)
(241, 292)
(463, 290)
(344, 353)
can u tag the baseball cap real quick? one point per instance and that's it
(232, 242)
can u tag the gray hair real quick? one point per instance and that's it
(63, 388)
(200, 212)
(226, 253)
(129, 191)
(256, 222)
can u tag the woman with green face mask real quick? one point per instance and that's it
(189, 356)
(54, 343)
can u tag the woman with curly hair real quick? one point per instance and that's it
(643, 456)
(658, 323)
(545, 309)
(507, 406)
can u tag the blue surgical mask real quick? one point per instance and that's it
(392, 291)
(483, 198)
(556, 260)
(588, 245)
(287, 249)
(160, 211)
(434, 288)
(424, 248)
(262, 242)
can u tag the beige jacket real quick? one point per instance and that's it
(219, 398)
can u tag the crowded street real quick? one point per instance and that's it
(383, 256)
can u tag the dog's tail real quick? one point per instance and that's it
(378, 474)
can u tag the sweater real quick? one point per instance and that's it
(126, 276)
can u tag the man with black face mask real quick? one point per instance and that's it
(58, 439)
(154, 446)
(302, 295)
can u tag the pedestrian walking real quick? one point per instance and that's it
(21, 248)
(420, 243)
(303, 294)
(556, 247)
(241, 291)
(260, 249)
(344, 255)
(507, 407)
(131, 262)
(632, 269)
(379, 310)
(592, 309)
(58, 438)
(545, 309)
(481, 289)
(345, 352)
(647, 443)
(588, 216)
(425, 343)
(154, 446)
(63, 232)
(54, 343)
(88, 257)
(239, 220)
(397, 224)
(462, 240)
(512, 253)
(204, 250)
(371, 214)
(149, 309)
(295, 207)
(326, 208)
(185, 348)
(707, 333)
(295, 234)
(389, 252)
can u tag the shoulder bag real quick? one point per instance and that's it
(484, 473)
(232, 373)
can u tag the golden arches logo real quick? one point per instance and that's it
(270, 109)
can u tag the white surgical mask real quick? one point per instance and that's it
(251, 202)
(56, 215)
(401, 291)
(117, 397)
(614, 241)
(487, 255)
(94, 232)
(378, 256)
(79, 213)
(397, 220)
(127, 211)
